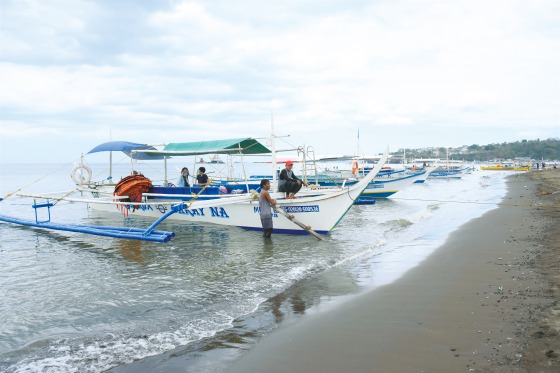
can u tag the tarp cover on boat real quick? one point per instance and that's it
(230, 146)
(126, 147)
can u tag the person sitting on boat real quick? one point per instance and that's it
(183, 180)
(288, 182)
(201, 178)
(265, 204)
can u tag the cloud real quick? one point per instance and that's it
(154, 70)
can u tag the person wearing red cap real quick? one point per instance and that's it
(288, 182)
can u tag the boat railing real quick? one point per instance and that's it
(168, 195)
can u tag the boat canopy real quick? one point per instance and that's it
(230, 146)
(127, 148)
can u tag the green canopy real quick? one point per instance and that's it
(231, 146)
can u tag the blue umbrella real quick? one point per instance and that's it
(126, 147)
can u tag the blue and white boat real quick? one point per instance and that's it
(386, 183)
(319, 209)
(315, 212)
(444, 169)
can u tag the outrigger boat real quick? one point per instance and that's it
(446, 169)
(386, 185)
(320, 210)
(382, 186)
(314, 213)
(505, 167)
(387, 182)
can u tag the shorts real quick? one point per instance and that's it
(266, 223)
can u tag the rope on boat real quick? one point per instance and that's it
(64, 196)
(195, 197)
(479, 203)
(39, 179)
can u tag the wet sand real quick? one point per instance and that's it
(486, 301)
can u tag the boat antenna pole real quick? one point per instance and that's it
(165, 169)
(358, 155)
(110, 158)
(243, 166)
(304, 160)
(273, 149)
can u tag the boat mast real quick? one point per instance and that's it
(111, 166)
(273, 149)
(358, 155)
(110, 157)
(165, 169)
(304, 161)
(243, 166)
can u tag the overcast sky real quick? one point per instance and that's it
(404, 73)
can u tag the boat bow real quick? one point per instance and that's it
(355, 190)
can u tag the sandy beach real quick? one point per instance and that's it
(486, 301)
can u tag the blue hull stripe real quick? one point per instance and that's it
(285, 231)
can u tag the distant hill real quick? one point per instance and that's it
(532, 149)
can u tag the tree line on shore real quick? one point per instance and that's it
(548, 149)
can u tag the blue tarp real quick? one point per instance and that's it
(127, 148)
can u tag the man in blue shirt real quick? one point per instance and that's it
(201, 178)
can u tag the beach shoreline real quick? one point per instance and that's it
(485, 301)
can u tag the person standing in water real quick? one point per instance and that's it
(265, 204)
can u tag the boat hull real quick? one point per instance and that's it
(385, 186)
(320, 213)
(503, 168)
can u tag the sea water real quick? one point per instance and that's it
(72, 302)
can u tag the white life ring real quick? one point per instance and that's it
(77, 174)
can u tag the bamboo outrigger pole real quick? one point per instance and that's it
(297, 222)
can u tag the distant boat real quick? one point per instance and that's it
(386, 183)
(505, 167)
(216, 159)
(383, 185)
(443, 169)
